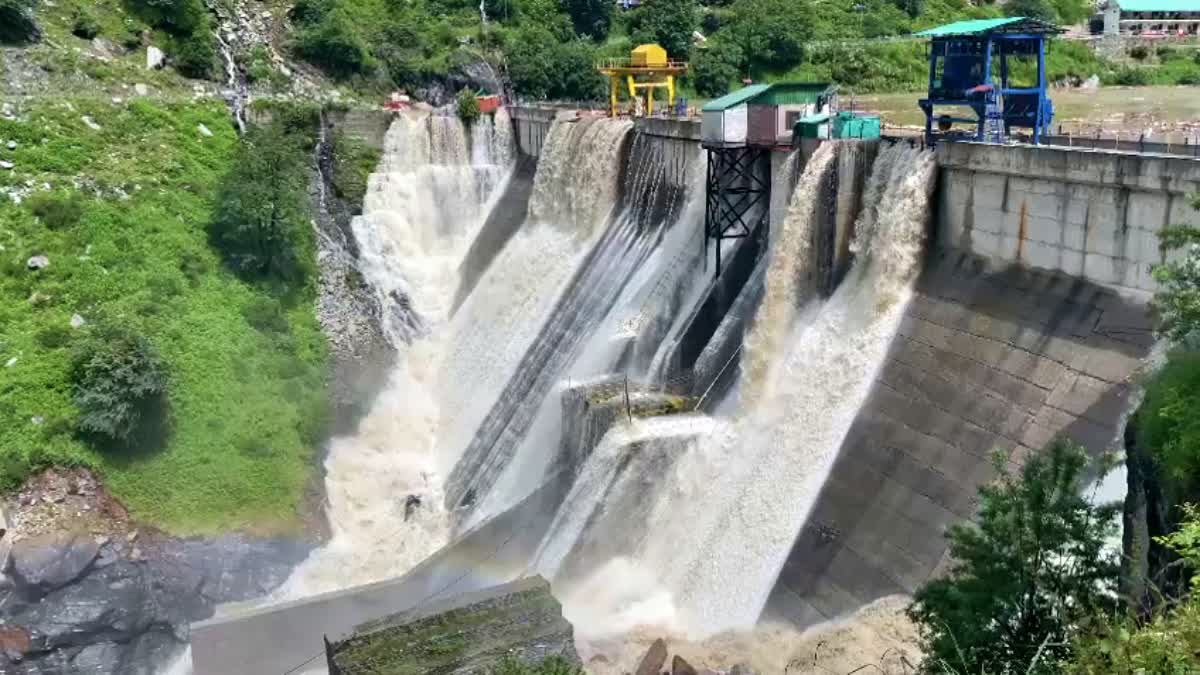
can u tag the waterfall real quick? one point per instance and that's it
(424, 203)
(720, 520)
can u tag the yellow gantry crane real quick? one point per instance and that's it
(646, 69)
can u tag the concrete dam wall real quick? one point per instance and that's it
(987, 359)
(1028, 322)
(1093, 214)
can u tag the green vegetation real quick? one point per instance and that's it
(467, 105)
(17, 23)
(554, 665)
(187, 24)
(1026, 578)
(669, 23)
(119, 386)
(1167, 644)
(261, 226)
(353, 162)
(1171, 426)
(244, 364)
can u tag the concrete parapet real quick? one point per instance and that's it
(683, 129)
(1089, 213)
(986, 360)
(531, 125)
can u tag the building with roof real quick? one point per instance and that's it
(1152, 18)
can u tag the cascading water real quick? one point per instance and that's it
(723, 515)
(424, 204)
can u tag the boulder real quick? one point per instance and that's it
(6, 165)
(49, 561)
(78, 321)
(91, 123)
(37, 262)
(681, 667)
(742, 669)
(14, 642)
(204, 131)
(654, 659)
(113, 604)
(155, 58)
(141, 89)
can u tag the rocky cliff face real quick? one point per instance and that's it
(1147, 571)
(84, 590)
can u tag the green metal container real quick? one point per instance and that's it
(813, 126)
(855, 125)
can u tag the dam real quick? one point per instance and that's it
(579, 396)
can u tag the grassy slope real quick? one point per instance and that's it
(246, 406)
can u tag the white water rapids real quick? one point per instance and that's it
(680, 523)
(726, 513)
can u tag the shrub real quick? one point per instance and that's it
(1129, 77)
(266, 315)
(179, 17)
(56, 211)
(54, 337)
(194, 55)
(261, 225)
(1139, 52)
(468, 106)
(85, 25)
(335, 45)
(119, 386)
(353, 162)
(1025, 577)
(1169, 420)
(670, 23)
(17, 23)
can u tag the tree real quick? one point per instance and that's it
(261, 225)
(714, 68)
(468, 107)
(16, 21)
(670, 23)
(1169, 423)
(1178, 296)
(592, 18)
(119, 386)
(1034, 9)
(541, 67)
(335, 44)
(771, 33)
(1026, 578)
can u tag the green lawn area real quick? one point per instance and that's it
(247, 407)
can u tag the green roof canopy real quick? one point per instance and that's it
(1159, 5)
(1005, 24)
(734, 98)
(790, 93)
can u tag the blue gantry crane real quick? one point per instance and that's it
(995, 67)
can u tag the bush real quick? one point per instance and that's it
(467, 106)
(1024, 579)
(54, 337)
(178, 17)
(119, 386)
(353, 162)
(261, 225)
(194, 55)
(335, 45)
(85, 25)
(1129, 77)
(17, 24)
(1170, 423)
(56, 211)
(266, 315)
(1139, 52)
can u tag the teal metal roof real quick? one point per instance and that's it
(785, 93)
(735, 98)
(972, 27)
(1159, 5)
